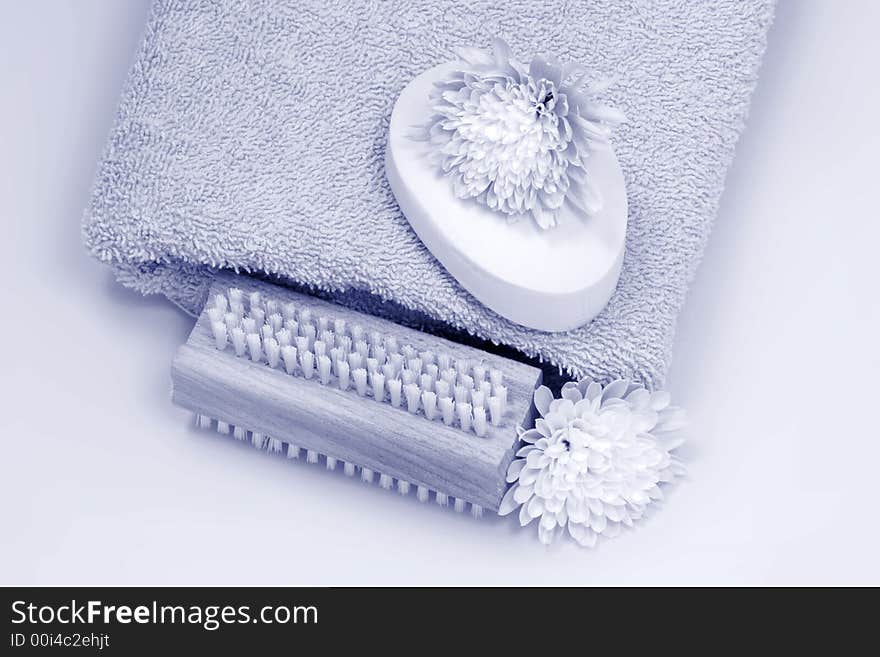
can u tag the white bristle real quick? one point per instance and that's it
(289, 310)
(307, 363)
(429, 403)
(311, 333)
(376, 338)
(249, 325)
(324, 369)
(360, 381)
(276, 322)
(311, 456)
(367, 475)
(462, 367)
(422, 494)
(408, 376)
(388, 370)
(215, 314)
(239, 433)
(323, 324)
(501, 391)
(444, 361)
(288, 355)
(476, 511)
(426, 382)
(403, 487)
(273, 351)
(378, 385)
(235, 295)
(236, 308)
(391, 345)
(495, 411)
(449, 376)
(397, 361)
(219, 330)
(441, 498)
(372, 365)
(203, 421)
(253, 341)
(292, 451)
(486, 389)
(293, 326)
(479, 373)
(394, 386)
(460, 505)
(386, 481)
(320, 348)
(427, 357)
(342, 371)
(496, 378)
(275, 446)
(362, 348)
(283, 336)
(220, 303)
(258, 315)
(239, 342)
(466, 381)
(271, 307)
(331, 463)
(355, 361)
(442, 389)
(231, 320)
(222, 427)
(380, 355)
(267, 332)
(447, 409)
(339, 326)
(254, 298)
(335, 357)
(328, 338)
(464, 415)
(480, 427)
(344, 343)
(461, 394)
(305, 315)
(478, 399)
(349, 469)
(411, 392)
(257, 439)
(408, 352)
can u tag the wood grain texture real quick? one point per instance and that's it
(343, 425)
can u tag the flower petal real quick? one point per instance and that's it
(508, 503)
(543, 398)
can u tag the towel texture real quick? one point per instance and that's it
(251, 136)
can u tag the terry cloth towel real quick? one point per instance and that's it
(251, 135)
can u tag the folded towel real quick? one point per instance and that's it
(251, 136)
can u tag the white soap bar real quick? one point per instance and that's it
(552, 280)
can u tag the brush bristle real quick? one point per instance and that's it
(328, 350)
(289, 450)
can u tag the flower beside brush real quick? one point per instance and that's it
(595, 460)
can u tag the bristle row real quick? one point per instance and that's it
(457, 392)
(291, 451)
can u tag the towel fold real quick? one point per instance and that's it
(251, 136)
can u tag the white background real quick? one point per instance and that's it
(102, 480)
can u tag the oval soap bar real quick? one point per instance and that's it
(552, 280)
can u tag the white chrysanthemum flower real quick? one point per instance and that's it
(594, 460)
(518, 139)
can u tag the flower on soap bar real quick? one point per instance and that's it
(595, 460)
(518, 139)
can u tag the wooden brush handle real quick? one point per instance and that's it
(340, 423)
